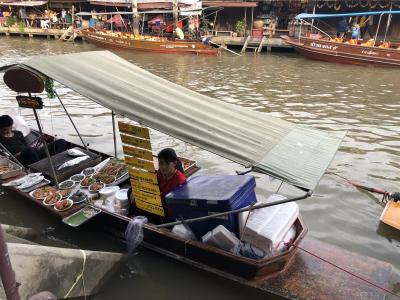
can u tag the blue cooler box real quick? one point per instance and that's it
(204, 195)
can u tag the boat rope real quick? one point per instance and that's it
(348, 272)
(79, 277)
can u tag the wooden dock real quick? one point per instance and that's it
(33, 32)
(253, 44)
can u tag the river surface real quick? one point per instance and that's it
(362, 100)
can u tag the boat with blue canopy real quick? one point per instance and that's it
(327, 46)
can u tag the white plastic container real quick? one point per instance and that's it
(265, 228)
(107, 194)
(121, 198)
(184, 231)
(222, 238)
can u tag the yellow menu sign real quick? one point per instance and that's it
(143, 176)
(139, 158)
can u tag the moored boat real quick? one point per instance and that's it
(127, 41)
(347, 51)
(243, 136)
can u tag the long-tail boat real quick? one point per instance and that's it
(324, 47)
(128, 41)
(295, 154)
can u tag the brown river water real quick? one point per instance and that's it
(362, 100)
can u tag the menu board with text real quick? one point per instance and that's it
(139, 158)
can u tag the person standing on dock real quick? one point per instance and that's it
(63, 14)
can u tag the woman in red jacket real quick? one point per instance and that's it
(170, 175)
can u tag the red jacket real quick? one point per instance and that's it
(168, 185)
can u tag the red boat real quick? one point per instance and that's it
(351, 51)
(124, 40)
(340, 52)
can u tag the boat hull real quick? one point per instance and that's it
(325, 50)
(162, 46)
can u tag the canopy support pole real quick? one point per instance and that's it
(46, 150)
(72, 122)
(235, 211)
(389, 20)
(114, 133)
(377, 29)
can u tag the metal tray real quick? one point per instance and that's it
(6, 162)
(80, 217)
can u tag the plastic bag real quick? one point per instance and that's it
(134, 233)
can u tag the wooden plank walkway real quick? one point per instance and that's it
(33, 32)
(252, 43)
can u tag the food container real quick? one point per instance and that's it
(107, 193)
(15, 171)
(121, 198)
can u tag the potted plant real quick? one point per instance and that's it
(240, 27)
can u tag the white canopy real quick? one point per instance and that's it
(296, 154)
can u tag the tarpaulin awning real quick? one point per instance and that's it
(293, 153)
(352, 14)
(25, 3)
(229, 4)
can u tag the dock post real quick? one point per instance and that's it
(30, 35)
(7, 33)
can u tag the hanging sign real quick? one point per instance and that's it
(140, 163)
(154, 209)
(139, 153)
(139, 158)
(147, 197)
(137, 142)
(143, 176)
(146, 187)
(30, 102)
(137, 131)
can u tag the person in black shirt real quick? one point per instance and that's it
(14, 142)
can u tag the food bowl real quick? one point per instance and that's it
(77, 177)
(108, 179)
(67, 184)
(78, 197)
(95, 187)
(87, 181)
(88, 171)
(65, 193)
(43, 192)
(52, 198)
(62, 205)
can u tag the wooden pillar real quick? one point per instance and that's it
(252, 21)
(175, 13)
(245, 20)
(135, 17)
(73, 15)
